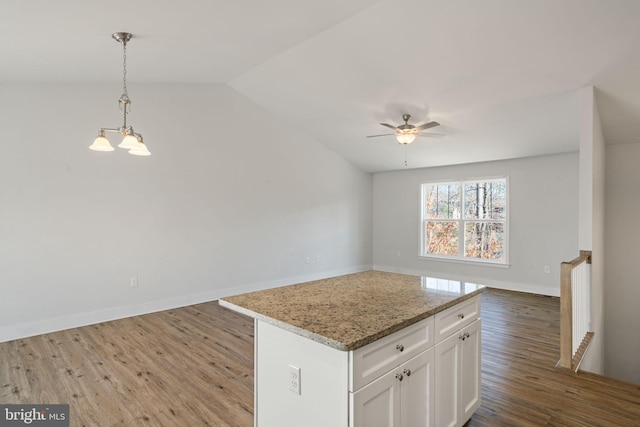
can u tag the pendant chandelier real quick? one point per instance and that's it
(131, 140)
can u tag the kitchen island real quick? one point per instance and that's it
(365, 349)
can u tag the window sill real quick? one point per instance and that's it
(465, 261)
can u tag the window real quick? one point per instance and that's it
(465, 220)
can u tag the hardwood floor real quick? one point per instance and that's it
(521, 387)
(193, 366)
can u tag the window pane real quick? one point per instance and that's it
(485, 200)
(443, 201)
(442, 237)
(484, 240)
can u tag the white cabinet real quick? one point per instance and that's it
(377, 404)
(470, 371)
(403, 397)
(321, 400)
(451, 320)
(425, 375)
(373, 360)
(457, 377)
(417, 391)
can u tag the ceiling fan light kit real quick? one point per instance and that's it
(405, 137)
(131, 140)
(406, 133)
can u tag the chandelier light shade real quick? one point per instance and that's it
(139, 149)
(101, 143)
(131, 140)
(128, 142)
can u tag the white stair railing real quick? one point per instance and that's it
(575, 310)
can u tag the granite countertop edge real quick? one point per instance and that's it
(353, 345)
(286, 326)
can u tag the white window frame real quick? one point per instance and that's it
(460, 258)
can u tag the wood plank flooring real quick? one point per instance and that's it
(521, 387)
(193, 367)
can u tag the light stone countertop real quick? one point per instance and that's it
(351, 311)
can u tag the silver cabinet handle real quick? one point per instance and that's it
(461, 315)
(400, 347)
(463, 336)
(399, 377)
(407, 372)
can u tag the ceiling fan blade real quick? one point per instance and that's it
(431, 135)
(389, 126)
(427, 126)
(382, 134)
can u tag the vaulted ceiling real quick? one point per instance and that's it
(500, 76)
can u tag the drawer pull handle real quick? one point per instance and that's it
(461, 315)
(400, 347)
(464, 336)
(399, 377)
(407, 372)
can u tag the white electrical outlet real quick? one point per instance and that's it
(133, 282)
(294, 379)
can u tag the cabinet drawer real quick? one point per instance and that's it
(456, 317)
(373, 360)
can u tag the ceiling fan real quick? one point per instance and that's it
(406, 133)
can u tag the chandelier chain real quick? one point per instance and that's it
(124, 102)
(124, 69)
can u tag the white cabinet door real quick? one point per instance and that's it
(377, 404)
(447, 382)
(457, 376)
(470, 370)
(401, 398)
(416, 391)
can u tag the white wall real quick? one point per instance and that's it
(543, 221)
(622, 282)
(591, 221)
(231, 200)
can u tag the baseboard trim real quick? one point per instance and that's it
(28, 329)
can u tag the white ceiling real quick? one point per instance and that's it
(501, 76)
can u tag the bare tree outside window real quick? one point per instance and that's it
(465, 220)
